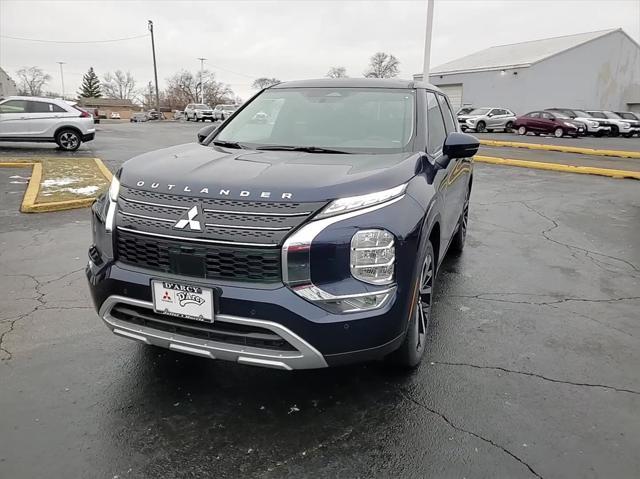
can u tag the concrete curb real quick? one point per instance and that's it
(563, 149)
(29, 204)
(585, 170)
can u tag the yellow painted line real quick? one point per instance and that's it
(29, 199)
(563, 149)
(102, 167)
(538, 165)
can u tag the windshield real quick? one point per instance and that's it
(612, 115)
(628, 116)
(597, 114)
(480, 111)
(202, 106)
(355, 120)
(582, 113)
(557, 114)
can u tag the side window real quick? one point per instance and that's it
(534, 114)
(14, 106)
(43, 107)
(547, 116)
(449, 122)
(435, 125)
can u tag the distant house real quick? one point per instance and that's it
(7, 86)
(106, 106)
(591, 71)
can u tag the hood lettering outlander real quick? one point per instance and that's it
(221, 192)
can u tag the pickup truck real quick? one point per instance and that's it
(310, 240)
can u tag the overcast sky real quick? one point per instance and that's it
(245, 39)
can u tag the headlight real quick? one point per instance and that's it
(373, 256)
(471, 121)
(594, 124)
(625, 125)
(114, 189)
(344, 205)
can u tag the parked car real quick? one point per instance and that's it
(34, 119)
(222, 112)
(619, 126)
(594, 126)
(198, 112)
(138, 117)
(633, 118)
(296, 262)
(115, 115)
(487, 119)
(581, 124)
(155, 115)
(539, 122)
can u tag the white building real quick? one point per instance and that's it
(595, 70)
(7, 85)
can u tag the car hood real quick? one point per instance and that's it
(214, 172)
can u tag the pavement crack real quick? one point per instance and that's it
(539, 376)
(471, 433)
(483, 297)
(570, 247)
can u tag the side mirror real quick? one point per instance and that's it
(459, 145)
(204, 132)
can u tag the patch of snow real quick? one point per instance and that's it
(58, 182)
(85, 190)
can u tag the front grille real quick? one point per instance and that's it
(220, 262)
(220, 330)
(240, 240)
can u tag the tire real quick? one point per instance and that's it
(615, 131)
(522, 130)
(68, 139)
(457, 242)
(480, 127)
(558, 132)
(411, 351)
(508, 126)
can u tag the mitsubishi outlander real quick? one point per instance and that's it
(305, 231)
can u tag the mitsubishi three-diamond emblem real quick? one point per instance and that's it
(188, 220)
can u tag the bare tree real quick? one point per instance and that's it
(264, 82)
(32, 79)
(119, 85)
(337, 72)
(382, 65)
(184, 87)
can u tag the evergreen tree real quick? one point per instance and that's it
(90, 87)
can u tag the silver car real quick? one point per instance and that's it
(487, 119)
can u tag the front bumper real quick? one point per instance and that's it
(598, 129)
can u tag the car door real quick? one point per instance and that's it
(495, 118)
(548, 122)
(458, 180)
(534, 122)
(43, 118)
(13, 119)
(436, 136)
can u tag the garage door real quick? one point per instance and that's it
(454, 92)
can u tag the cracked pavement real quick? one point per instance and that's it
(531, 369)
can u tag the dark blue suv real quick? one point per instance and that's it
(305, 231)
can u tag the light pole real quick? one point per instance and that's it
(155, 69)
(427, 42)
(201, 84)
(62, 77)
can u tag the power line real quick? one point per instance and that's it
(65, 41)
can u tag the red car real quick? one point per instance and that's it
(549, 123)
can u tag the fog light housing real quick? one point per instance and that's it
(373, 256)
(351, 303)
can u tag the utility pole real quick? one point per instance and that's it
(427, 42)
(61, 77)
(201, 84)
(155, 69)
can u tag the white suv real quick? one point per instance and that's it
(198, 112)
(27, 118)
(222, 112)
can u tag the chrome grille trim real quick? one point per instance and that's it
(251, 213)
(153, 218)
(258, 228)
(159, 205)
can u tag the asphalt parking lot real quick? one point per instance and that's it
(531, 369)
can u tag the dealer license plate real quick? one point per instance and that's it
(183, 300)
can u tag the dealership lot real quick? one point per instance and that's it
(531, 369)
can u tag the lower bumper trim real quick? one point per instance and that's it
(304, 356)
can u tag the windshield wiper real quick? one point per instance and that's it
(228, 144)
(308, 149)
